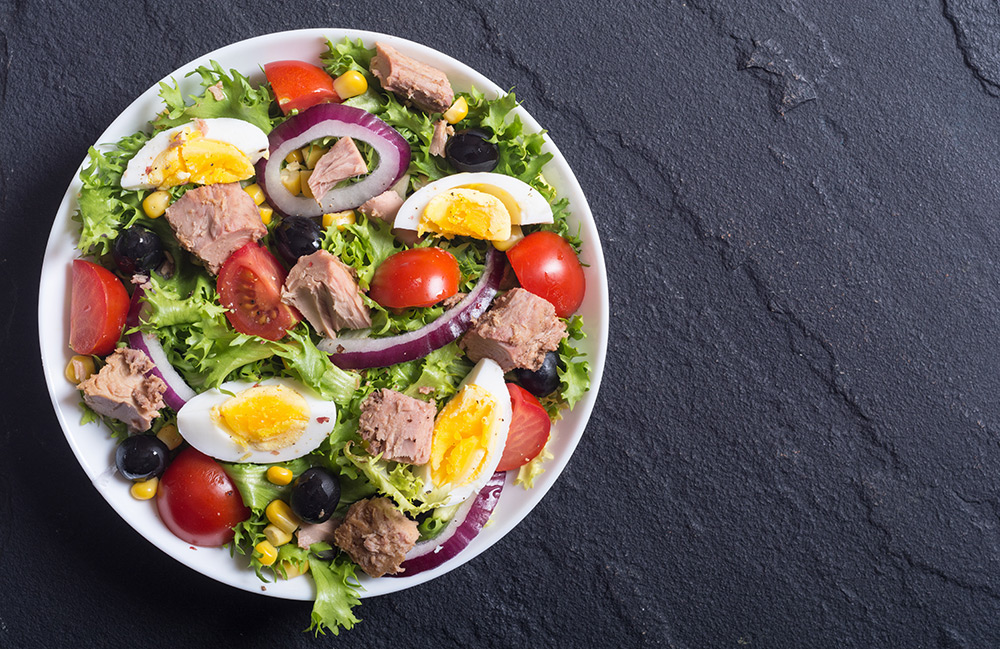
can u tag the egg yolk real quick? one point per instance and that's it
(505, 197)
(466, 212)
(192, 158)
(462, 436)
(264, 417)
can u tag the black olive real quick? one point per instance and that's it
(141, 457)
(471, 150)
(137, 250)
(315, 495)
(542, 381)
(297, 236)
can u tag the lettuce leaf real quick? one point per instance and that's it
(336, 595)
(240, 100)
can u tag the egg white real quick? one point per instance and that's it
(196, 425)
(487, 375)
(531, 204)
(246, 137)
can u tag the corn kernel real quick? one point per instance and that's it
(277, 536)
(282, 516)
(340, 219)
(292, 180)
(145, 489)
(279, 475)
(292, 571)
(515, 236)
(458, 111)
(350, 84)
(294, 157)
(170, 436)
(156, 204)
(268, 553)
(79, 369)
(304, 176)
(312, 154)
(266, 213)
(255, 193)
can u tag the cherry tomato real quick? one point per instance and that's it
(415, 277)
(547, 266)
(98, 306)
(298, 85)
(249, 286)
(529, 429)
(198, 501)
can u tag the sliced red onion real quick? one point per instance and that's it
(178, 391)
(360, 353)
(332, 120)
(465, 526)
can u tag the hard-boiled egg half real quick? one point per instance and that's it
(480, 205)
(204, 152)
(470, 433)
(272, 421)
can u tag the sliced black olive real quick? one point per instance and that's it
(315, 495)
(471, 150)
(544, 380)
(297, 236)
(141, 457)
(137, 250)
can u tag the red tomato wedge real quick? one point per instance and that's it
(529, 429)
(198, 501)
(98, 306)
(546, 265)
(297, 85)
(415, 278)
(249, 286)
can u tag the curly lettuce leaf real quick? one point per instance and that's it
(336, 595)
(396, 481)
(239, 100)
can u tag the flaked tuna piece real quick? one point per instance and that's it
(214, 221)
(442, 131)
(426, 86)
(309, 533)
(376, 536)
(383, 207)
(125, 390)
(322, 288)
(397, 426)
(517, 331)
(341, 162)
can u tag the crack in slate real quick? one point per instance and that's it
(978, 43)
(789, 87)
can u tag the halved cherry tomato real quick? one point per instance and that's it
(415, 277)
(249, 286)
(547, 266)
(529, 429)
(298, 85)
(198, 501)
(98, 305)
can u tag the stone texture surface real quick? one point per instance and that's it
(796, 444)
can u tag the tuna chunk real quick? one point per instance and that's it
(341, 162)
(517, 331)
(427, 87)
(214, 221)
(310, 533)
(322, 288)
(442, 131)
(397, 426)
(125, 390)
(383, 207)
(376, 536)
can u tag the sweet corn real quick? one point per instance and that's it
(292, 180)
(292, 571)
(350, 84)
(340, 219)
(277, 536)
(156, 204)
(282, 516)
(515, 236)
(312, 154)
(266, 213)
(145, 489)
(268, 553)
(458, 111)
(170, 436)
(279, 475)
(79, 369)
(255, 193)
(294, 157)
(304, 182)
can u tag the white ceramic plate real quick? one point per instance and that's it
(92, 443)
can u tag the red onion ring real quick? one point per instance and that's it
(361, 353)
(332, 120)
(178, 392)
(465, 526)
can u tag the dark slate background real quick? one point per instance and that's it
(796, 443)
